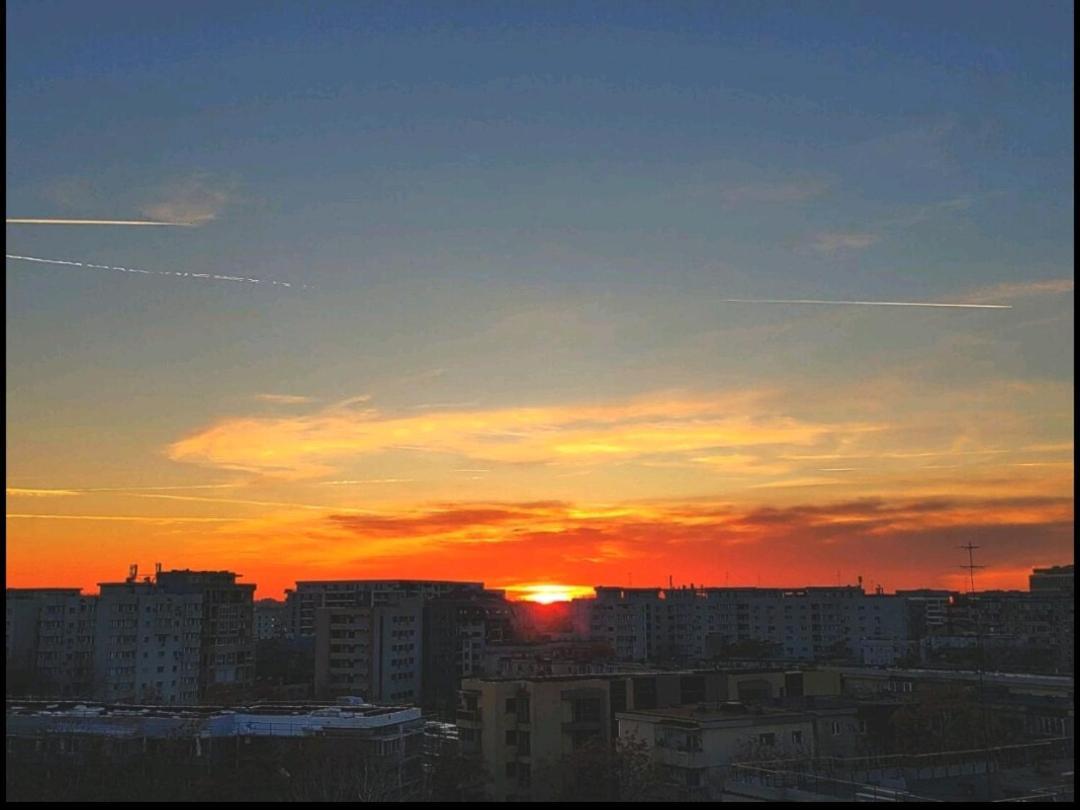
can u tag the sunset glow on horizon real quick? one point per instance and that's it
(505, 297)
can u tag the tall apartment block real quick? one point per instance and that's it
(49, 641)
(311, 595)
(179, 638)
(458, 631)
(370, 652)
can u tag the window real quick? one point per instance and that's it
(796, 738)
(836, 728)
(511, 768)
(511, 705)
(511, 737)
(767, 739)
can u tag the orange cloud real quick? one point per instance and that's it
(894, 542)
(901, 543)
(317, 443)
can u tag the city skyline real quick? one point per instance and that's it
(450, 292)
(544, 594)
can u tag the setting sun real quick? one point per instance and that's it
(547, 593)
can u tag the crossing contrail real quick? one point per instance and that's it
(10, 221)
(203, 276)
(862, 303)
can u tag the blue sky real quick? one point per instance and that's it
(518, 205)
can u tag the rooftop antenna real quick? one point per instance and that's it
(133, 572)
(971, 567)
(157, 569)
(670, 582)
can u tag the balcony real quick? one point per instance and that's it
(583, 725)
(469, 716)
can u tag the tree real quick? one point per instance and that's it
(599, 772)
(946, 719)
(455, 779)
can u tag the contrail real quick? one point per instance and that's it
(96, 222)
(206, 276)
(861, 303)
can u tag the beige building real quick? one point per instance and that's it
(694, 745)
(521, 730)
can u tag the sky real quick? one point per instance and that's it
(490, 291)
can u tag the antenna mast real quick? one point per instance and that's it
(971, 566)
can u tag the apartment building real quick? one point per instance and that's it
(695, 744)
(372, 652)
(271, 619)
(694, 624)
(322, 752)
(310, 595)
(177, 638)
(458, 629)
(148, 645)
(1058, 579)
(522, 730)
(49, 641)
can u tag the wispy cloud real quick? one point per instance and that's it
(194, 200)
(834, 241)
(313, 444)
(127, 518)
(69, 492)
(788, 191)
(364, 481)
(141, 272)
(1023, 289)
(931, 304)
(22, 492)
(561, 541)
(135, 222)
(284, 399)
(838, 241)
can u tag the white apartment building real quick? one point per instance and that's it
(690, 624)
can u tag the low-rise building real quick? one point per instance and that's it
(271, 750)
(695, 745)
(523, 730)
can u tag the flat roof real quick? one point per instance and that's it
(711, 712)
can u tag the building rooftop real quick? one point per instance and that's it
(1016, 678)
(264, 719)
(630, 671)
(733, 711)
